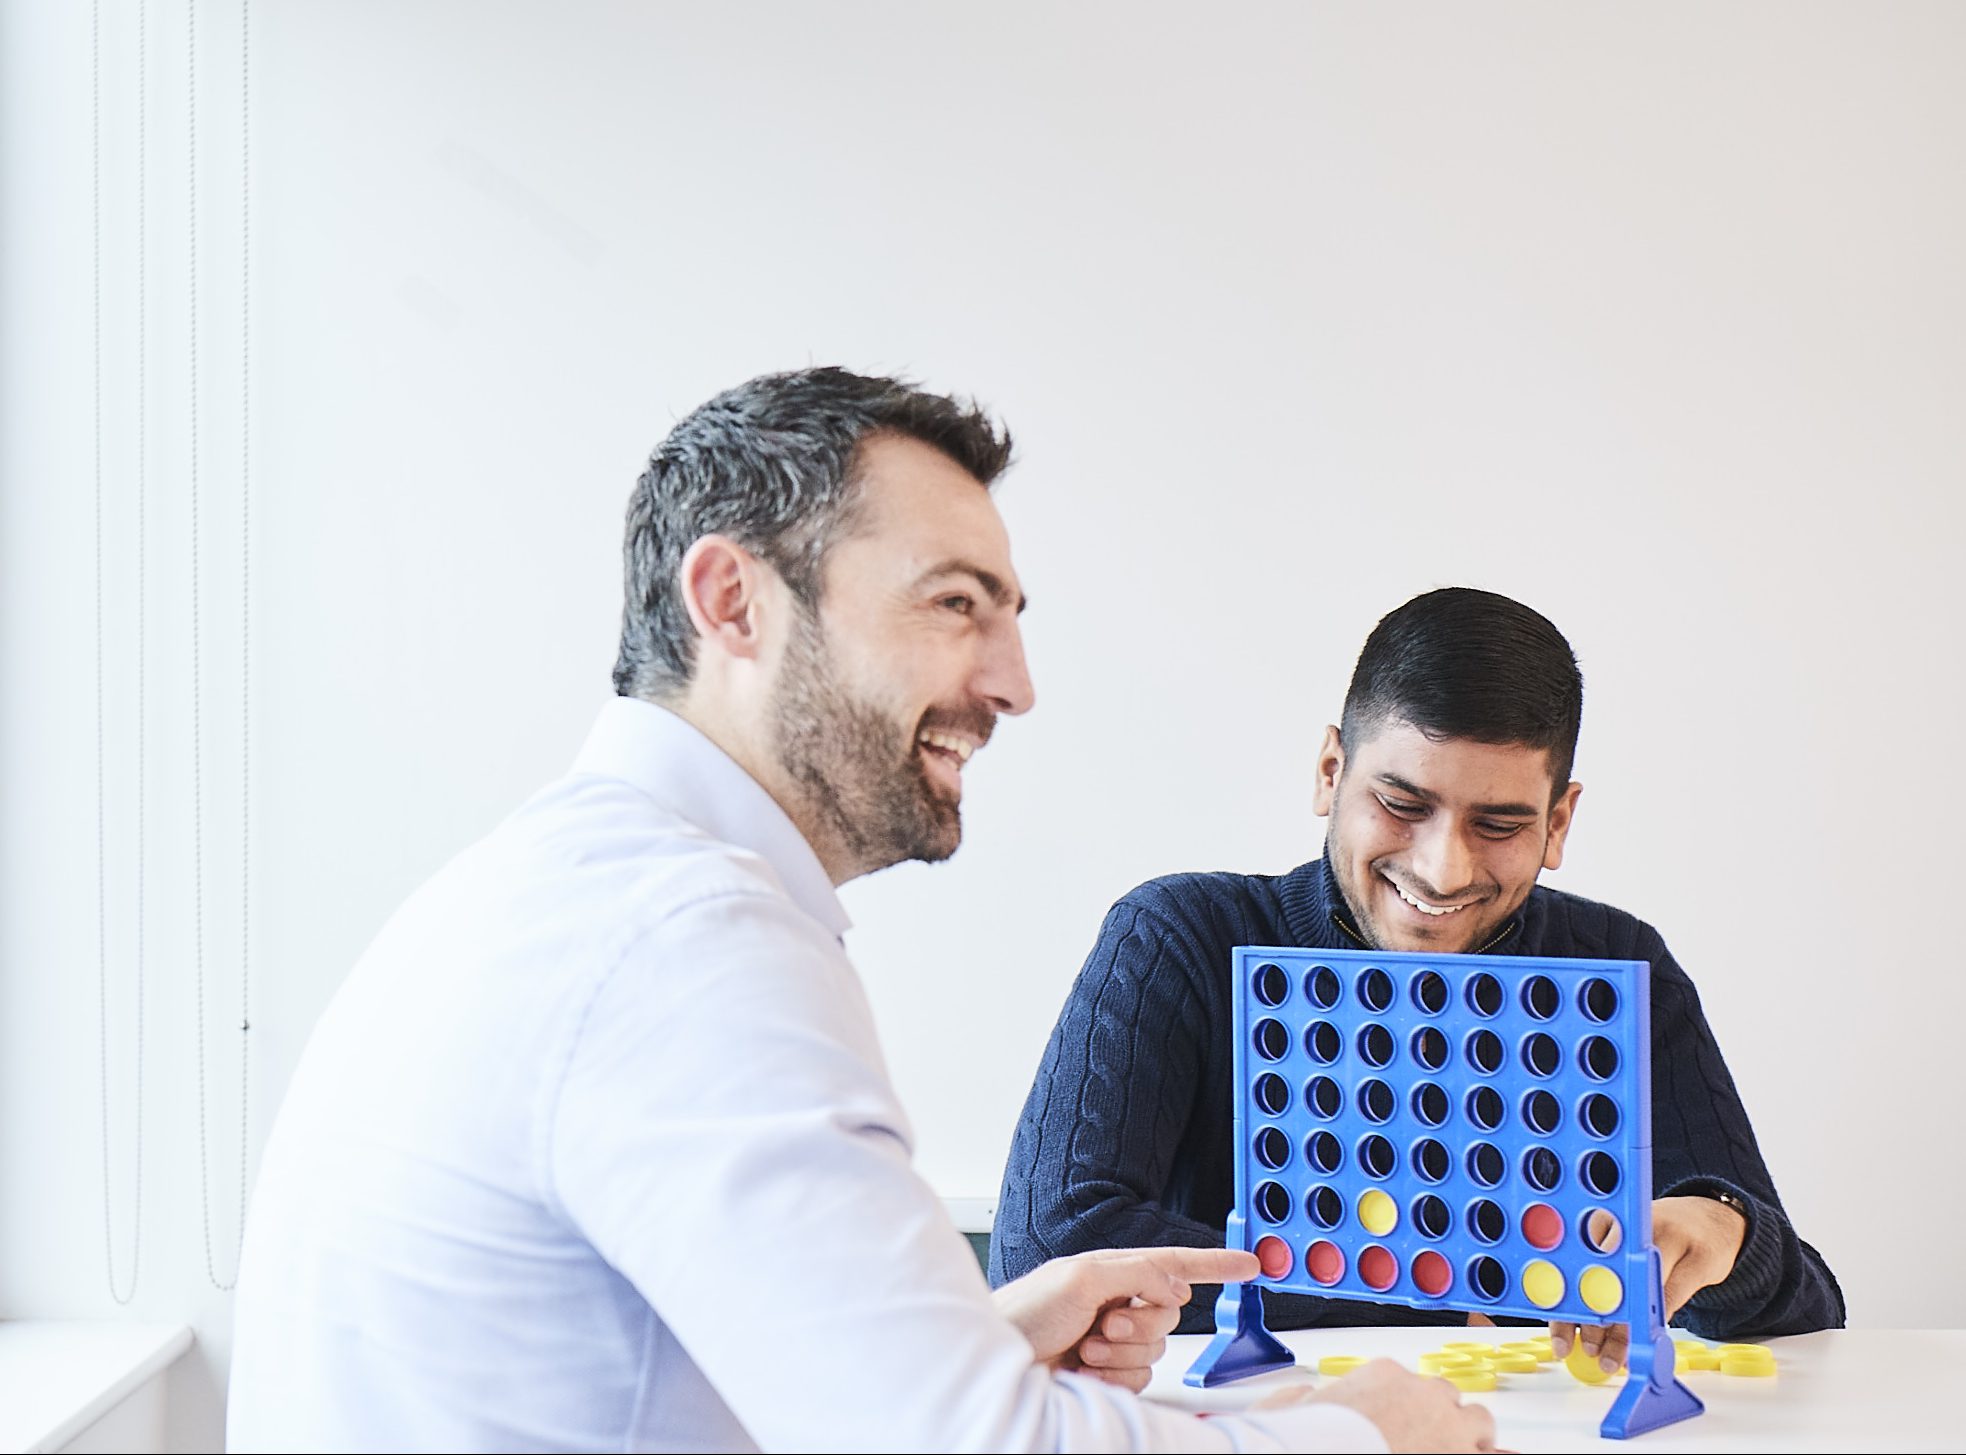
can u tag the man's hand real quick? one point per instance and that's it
(1411, 1412)
(1109, 1313)
(1698, 1240)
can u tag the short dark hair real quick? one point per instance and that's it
(772, 464)
(1462, 663)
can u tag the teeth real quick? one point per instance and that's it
(1425, 908)
(949, 742)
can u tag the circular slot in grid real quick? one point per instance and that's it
(1322, 987)
(1542, 1169)
(1484, 994)
(1271, 1040)
(1542, 1283)
(1484, 1049)
(1378, 1269)
(1324, 1207)
(1378, 1214)
(1272, 1093)
(1376, 1157)
(1542, 1227)
(1601, 1289)
(1601, 1231)
(1324, 1152)
(1430, 1047)
(1431, 1217)
(1487, 1278)
(1325, 1262)
(1274, 1256)
(1541, 998)
(1542, 1113)
(1272, 1148)
(1599, 1057)
(1597, 998)
(1485, 1108)
(1375, 1045)
(1375, 991)
(1323, 1042)
(1541, 1056)
(1487, 1223)
(1271, 984)
(1377, 1101)
(1432, 1274)
(1431, 1160)
(1486, 1165)
(1430, 1104)
(1272, 1203)
(1599, 1114)
(1324, 1097)
(1600, 1173)
(1430, 992)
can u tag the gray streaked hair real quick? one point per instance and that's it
(773, 465)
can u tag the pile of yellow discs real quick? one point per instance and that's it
(1474, 1367)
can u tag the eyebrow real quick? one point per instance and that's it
(993, 585)
(1494, 810)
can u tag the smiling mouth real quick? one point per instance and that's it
(952, 745)
(1435, 911)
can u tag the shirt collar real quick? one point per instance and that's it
(655, 751)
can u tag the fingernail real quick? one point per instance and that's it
(1119, 1327)
(1608, 1364)
(1560, 1343)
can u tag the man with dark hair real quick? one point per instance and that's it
(595, 1148)
(1448, 790)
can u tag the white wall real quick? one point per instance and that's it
(1650, 315)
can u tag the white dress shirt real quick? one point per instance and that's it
(596, 1150)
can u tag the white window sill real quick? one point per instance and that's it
(58, 1378)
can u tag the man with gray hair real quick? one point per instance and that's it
(595, 1148)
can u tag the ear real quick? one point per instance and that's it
(1330, 768)
(722, 584)
(1562, 813)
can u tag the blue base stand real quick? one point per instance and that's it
(1651, 1396)
(1241, 1346)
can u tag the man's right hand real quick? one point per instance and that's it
(1412, 1412)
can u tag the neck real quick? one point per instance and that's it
(743, 749)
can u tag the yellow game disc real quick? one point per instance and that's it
(1514, 1361)
(1467, 1346)
(1444, 1360)
(1584, 1365)
(1539, 1349)
(1542, 1283)
(1686, 1354)
(1337, 1364)
(1748, 1365)
(1723, 1350)
(1601, 1289)
(1378, 1213)
(1471, 1381)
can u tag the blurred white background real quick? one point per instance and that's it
(1651, 316)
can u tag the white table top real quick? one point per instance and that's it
(1845, 1390)
(58, 1376)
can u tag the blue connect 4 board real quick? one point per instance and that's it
(1468, 1132)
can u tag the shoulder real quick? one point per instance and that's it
(1569, 924)
(1209, 908)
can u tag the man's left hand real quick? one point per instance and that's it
(1109, 1313)
(1698, 1239)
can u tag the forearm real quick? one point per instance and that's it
(1779, 1284)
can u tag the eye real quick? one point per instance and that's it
(964, 605)
(1400, 808)
(1499, 829)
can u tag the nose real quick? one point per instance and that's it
(1002, 676)
(1441, 857)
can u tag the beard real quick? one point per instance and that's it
(860, 773)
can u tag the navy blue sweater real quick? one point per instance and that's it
(1125, 1141)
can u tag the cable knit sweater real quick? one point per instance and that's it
(1125, 1140)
